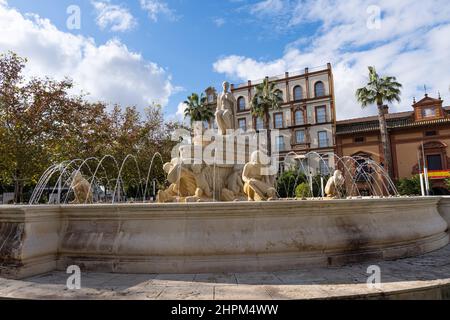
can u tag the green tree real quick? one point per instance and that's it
(141, 137)
(41, 124)
(380, 90)
(35, 116)
(197, 109)
(266, 98)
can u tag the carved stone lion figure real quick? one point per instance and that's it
(81, 189)
(334, 184)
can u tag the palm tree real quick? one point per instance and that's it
(197, 109)
(380, 90)
(266, 98)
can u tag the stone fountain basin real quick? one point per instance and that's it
(217, 237)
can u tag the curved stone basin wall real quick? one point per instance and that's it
(217, 237)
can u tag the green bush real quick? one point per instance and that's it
(447, 183)
(303, 191)
(409, 186)
(288, 181)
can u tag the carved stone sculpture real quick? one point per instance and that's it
(81, 189)
(226, 104)
(234, 190)
(257, 186)
(202, 174)
(334, 184)
(183, 182)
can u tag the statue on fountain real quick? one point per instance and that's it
(183, 182)
(234, 190)
(193, 180)
(81, 189)
(258, 187)
(334, 184)
(226, 104)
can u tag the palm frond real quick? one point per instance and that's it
(379, 90)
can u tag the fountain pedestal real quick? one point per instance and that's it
(216, 237)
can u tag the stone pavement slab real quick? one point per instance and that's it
(427, 276)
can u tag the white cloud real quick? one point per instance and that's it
(412, 44)
(109, 72)
(178, 116)
(113, 17)
(156, 8)
(180, 112)
(269, 7)
(219, 22)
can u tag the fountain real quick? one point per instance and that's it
(104, 185)
(223, 212)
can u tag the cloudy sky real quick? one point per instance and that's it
(141, 51)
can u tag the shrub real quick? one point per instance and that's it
(447, 183)
(303, 191)
(409, 186)
(288, 181)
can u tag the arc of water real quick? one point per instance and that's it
(346, 163)
(387, 178)
(45, 177)
(58, 167)
(120, 174)
(58, 185)
(98, 167)
(359, 169)
(69, 180)
(40, 182)
(149, 171)
(348, 171)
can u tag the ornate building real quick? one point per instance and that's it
(422, 132)
(306, 119)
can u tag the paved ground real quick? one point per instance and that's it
(427, 276)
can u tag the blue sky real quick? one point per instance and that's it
(162, 50)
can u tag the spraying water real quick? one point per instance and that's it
(110, 182)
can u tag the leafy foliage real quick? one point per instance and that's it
(303, 191)
(197, 108)
(289, 181)
(41, 123)
(379, 90)
(447, 183)
(409, 186)
(266, 98)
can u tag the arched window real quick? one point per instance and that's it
(319, 89)
(241, 104)
(298, 93)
